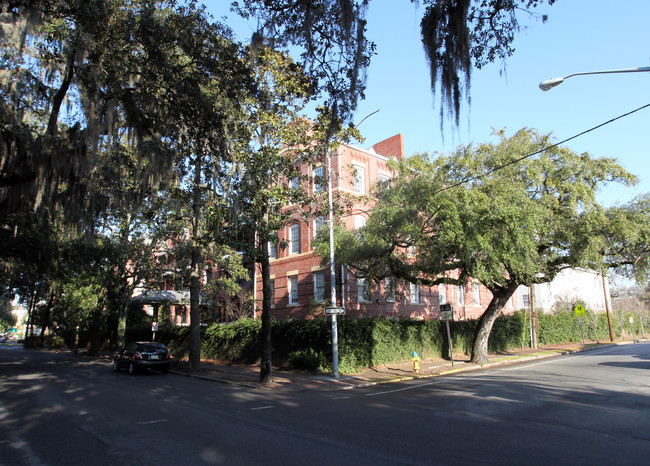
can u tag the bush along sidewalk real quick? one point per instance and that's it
(305, 345)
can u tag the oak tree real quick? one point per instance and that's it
(487, 212)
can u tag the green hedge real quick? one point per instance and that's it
(564, 327)
(368, 342)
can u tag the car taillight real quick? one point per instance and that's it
(137, 356)
(169, 355)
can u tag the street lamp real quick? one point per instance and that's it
(550, 83)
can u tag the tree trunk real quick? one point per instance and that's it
(482, 335)
(126, 290)
(121, 326)
(96, 333)
(30, 320)
(57, 100)
(195, 312)
(46, 318)
(195, 283)
(266, 368)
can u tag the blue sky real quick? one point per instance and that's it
(580, 35)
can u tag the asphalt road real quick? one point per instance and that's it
(590, 408)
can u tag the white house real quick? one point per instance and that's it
(569, 285)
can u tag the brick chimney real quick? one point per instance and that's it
(391, 147)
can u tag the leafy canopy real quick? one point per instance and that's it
(331, 36)
(504, 223)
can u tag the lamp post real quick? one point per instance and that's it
(335, 337)
(551, 83)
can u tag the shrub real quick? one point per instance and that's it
(366, 342)
(307, 360)
(238, 341)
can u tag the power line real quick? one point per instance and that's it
(512, 162)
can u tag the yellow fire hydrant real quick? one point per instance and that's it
(416, 362)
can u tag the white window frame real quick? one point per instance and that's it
(384, 182)
(477, 294)
(319, 222)
(414, 293)
(390, 292)
(461, 295)
(294, 183)
(319, 286)
(319, 186)
(442, 293)
(362, 290)
(359, 179)
(412, 251)
(273, 250)
(294, 243)
(359, 222)
(292, 285)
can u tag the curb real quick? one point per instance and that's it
(504, 362)
(508, 360)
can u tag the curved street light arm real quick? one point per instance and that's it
(551, 83)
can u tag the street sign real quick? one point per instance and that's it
(446, 312)
(579, 310)
(334, 311)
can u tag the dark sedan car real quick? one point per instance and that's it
(143, 355)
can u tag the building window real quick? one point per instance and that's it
(359, 179)
(273, 250)
(383, 183)
(294, 183)
(294, 239)
(442, 293)
(319, 222)
(319, 286)
(412, 250)
(359, 222)
(319, 179)
(477, 294)
(414, 292)
(363, 295)
(389, 285)
(461, 296)
(293, 290)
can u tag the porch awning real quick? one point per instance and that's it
(159, 296)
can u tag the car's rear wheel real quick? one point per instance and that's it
(132, 369)
(164, 371)
(116, 367)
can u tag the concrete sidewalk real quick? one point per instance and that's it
(248, 375)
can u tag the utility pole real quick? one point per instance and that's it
(533, 317)
(335, 337)
(609, 318)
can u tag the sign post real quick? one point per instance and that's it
(580, 313)
(447, 314)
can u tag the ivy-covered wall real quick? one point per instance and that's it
(307, 345)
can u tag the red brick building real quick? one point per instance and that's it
(302, 285)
